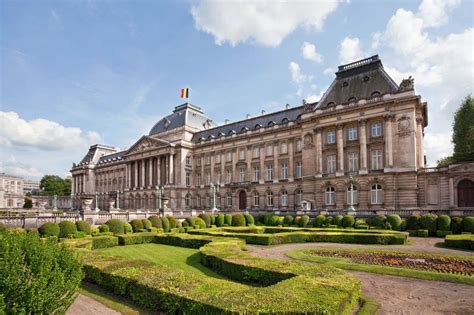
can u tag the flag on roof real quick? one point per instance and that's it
(185, 93)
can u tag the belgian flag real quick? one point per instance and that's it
(185, 93)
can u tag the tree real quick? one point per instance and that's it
(28, 203)
(463, 131)
(445, 162)
(55, 185)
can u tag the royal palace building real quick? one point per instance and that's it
(366, 129)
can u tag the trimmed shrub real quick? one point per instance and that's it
(403, 225)
(395, 221)
(156, 221)
(428, 222)
(456, 225)
(238, 220)
(116, 226)
(468, 224)
(166, 224)
(136, 225)
(297, 220)
(49, 229)
(184, 223)
(147, 224)
(443, 223)
(443, 233)
(379, 221)
(249, 220)
(37, 276)
(319, 221)
(200, 222)
(463, 241)
(2, 229)
(422, 233)
(412, 232)
(274, 220)
(137, 238)
(348, 221)
(213, 219)
(220, 220)
(83, 226)
(191, 221)
(281, 220)
(329, 221)
(104, 228)
(288, 220)
(127, 227)
(206, 218)
(338, 220)
(228, 219)
(105, 241)
(66, 228)
(304, 221)
(265, 219)
(413, 222)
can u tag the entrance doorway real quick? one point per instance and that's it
(466, 193)
(242, 200)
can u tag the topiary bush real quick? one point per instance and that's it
(456, 225)
(127, 228)
(173, 222)
(329, 221)
(304, 221)
(413, 222)
(288, 220)
(297, 220)
(200, 222)
(468, 224)
(348, 221)
(428, 222)
(136, 225)
(166, 224)
(443, 223)
(338, 220)
(274, 220)
(249, 220)
(49, 229)
(206, 218)
(116, 226)
(213, 219)
(228, 219)
(379, 221)
(395, 221)
(104, 228)
(403, 225)
(238, 220)
(37, 276)
(83, 226)
(156, 221)
(67, 228)
(319, 221)
(147, 224)
(220, 220)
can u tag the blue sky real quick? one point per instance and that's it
(74, 73)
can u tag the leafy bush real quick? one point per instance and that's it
(288, 220)
(403, 225)
(395, 221)
(304, 221)
(379, 221)
(156, 221)
(136, 238)
(338, 220)
(200, 222)
(105, 241)
(104, 228)
(83, 226)
(428, 222)
(220, 220)
(456, 225)
(422, 233)
(184, 223)
(49, 229)
(147, 224)
(319, 221)
(213, 219)
(37, 276)
(468, 224)
(360, 222)
(348, 221)
(297, 220)
(443, 223)
(206, 218)
(238, 220)
(166, 224)
(116, 226)
(136, 224)
(2, 229)
(228, 219)
(329, 221)
(443, 233)
(464, 241)
(274, 220)
(173, 222)
(249, 220)
(127, 227)
(67, 228)
(413, 222)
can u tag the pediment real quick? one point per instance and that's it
(146, 143)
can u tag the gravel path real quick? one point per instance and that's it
(84, 305)
(398, 295)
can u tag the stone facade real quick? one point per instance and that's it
(11, 191)
(364, 126)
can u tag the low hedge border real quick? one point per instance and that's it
(136, 238)
(104, 242)
(317, 289)
(463, 241)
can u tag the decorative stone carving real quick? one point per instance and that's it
(146, 144)
(86, 204)
(307, 106)
(308, 141)
(407, 84)
(389, 117)
(404, 128)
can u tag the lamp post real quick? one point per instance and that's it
(214, 189)
(72, 201)
(117, 200)
(55, 202)
(97, 201)
(351, 195)
(159, 192)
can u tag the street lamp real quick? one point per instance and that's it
(351, 195)
(117, 200)
(55, 202)
(97, 201)
(159, 192)
(214, 189)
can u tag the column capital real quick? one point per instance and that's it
(389, 117)
(340, 126)
(318, 130)
(419, 120)
(362, 121)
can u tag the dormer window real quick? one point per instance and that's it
(375, 93)
(352, 99)
(271, 123)
(258, 126)
(331, 104)
(285, 121)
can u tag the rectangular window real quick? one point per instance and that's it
(352, 134)
(269, 150)
(208, 159)
(256, 174)
(299, 169)
(256, 199)
(208, 178)
(188, 160)
(353, 162)
(376, 160)
(284, 148)
(284, 171)
(218, 177)
(269, 171)
(331, 166)
(229, 156)
(242, 174)
(218, 158)
(229, 176)
(331, 137)
(188, 179)
(256, 152)
(242, 155)
(376, 129)
(198, 179)
(270, 199)
(229, 200)
(198, 161)
(284, 199)
(299, 145)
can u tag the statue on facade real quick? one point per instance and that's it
(407, 84)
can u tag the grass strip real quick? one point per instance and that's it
(369, 306)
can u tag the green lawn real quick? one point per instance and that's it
(186, 259)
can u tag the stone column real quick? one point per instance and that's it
(203, 165)
(223, 173)
(150, 172)
(276, 162)
(451, 193)
(167, 169)
(319, 151)
(340, 149)
(158, 170)
(363, 146)
(263, 172)
(235, 176)
(419, 142)
(142, 174)
(171, 167)
(248, 160)
(135, 184)
(388, 140)
(291, 166)
(213, 159)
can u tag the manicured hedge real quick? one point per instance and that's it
(104, 242)
(395, 221)
(249, 220)
(319, 221)
(67, 228)
(379, 220)
(83, 226)
(156, 221)
(464, 241)
(127, 227)
(428, 222)
(49, 229)
(413, 222)
(206, 218)
(422, 233)
(348, 221)
(338, 220)
(456, 225)
(468, 224)
(238, 220)
(116, 226)
(166, 224)
(147, 224)
(136, 225)
(173, 222)
(443, 223)
(136, 238)
(228, 219)
(304, 221)
(104, 228)
(220, 220)
(288, 220)
(443, 233)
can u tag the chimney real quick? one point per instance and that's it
(226, 121)
(287, 106)
(263, 112)
(248, 116)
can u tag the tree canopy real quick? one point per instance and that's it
(55, 185)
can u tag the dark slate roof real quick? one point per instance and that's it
(112, 157)
(94, 151)
(184, 114)
(358, 80)
(281, 117)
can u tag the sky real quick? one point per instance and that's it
(77, 73)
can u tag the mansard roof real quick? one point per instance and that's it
(111, 157)
(184, 114)
(96, 152)
(276, 118)
(358, 80)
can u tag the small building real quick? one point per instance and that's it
(11, 191)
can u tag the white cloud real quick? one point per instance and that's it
(350, 50)
(437, 146)
(309, 52)
(329, 71)
(264, 22)
(435, 13)
(296, 75)
(11, 166)
(42, 133)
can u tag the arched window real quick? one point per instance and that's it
(352, 99)
(269, 199)
(330, 196)
(376, 194)
(285, 121)
(355, 197)
(284, 198)
(258, 126)
(271, 123)
(375, 93)
(187, 201)
(256, 199)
